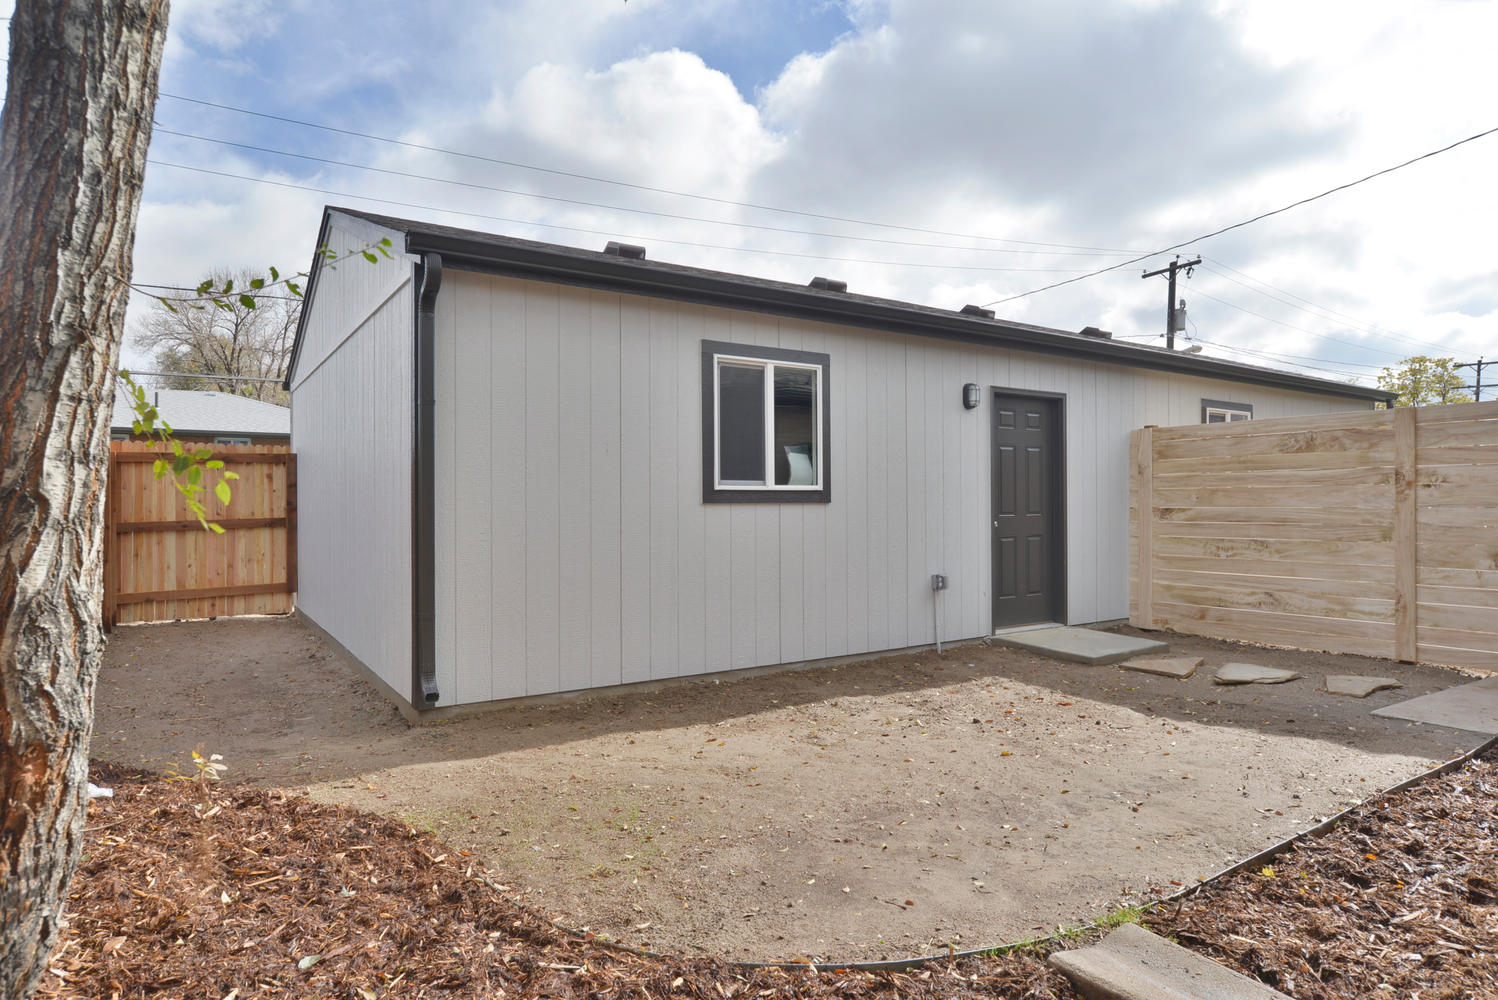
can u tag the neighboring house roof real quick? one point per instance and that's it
(195, 411)
(507, 255)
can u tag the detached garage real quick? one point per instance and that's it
(528, 469)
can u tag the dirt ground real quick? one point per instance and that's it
(881, 809)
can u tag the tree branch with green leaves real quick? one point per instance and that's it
(190, 467)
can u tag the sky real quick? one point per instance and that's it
(943, 152)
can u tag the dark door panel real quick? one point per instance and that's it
(1028, 575)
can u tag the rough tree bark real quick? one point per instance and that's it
(73, 137)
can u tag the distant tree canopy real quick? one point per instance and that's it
(223, 337)
(1424, 381)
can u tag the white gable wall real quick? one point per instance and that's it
(351, 399)
(573, 546)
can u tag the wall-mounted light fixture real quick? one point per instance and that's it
(970, 395)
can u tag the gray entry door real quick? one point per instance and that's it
(1028, 571)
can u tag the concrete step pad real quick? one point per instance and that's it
(1133, 964)
(1081, 645)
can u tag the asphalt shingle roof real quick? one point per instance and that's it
(196, 411)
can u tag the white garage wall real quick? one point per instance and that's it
(574, 549)
(351, 404)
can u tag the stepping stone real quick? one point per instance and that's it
(1357, 687)
(1133, 964)
(1471, 707)
(1081, 645)
(1251, 673)
(1166, 666)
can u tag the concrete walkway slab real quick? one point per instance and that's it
(1133, 964)
(1355, 686)
(1251, 673)
(1081, 645)
(1181, 667)
(1472, 707)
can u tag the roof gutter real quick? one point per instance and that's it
(709, 288)
(424, 693)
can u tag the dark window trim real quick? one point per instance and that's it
(1059, 564)
(1219, 404)
(710, 491)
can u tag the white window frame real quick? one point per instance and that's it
(769, 366)
(715, 355)
(1231, 413)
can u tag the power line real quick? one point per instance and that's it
(1258, 218)
(1284, 360)
(599, 232)
(1316, 310)
(627, 184)
(1297, 329)
(185, 288)
(208, 376)
(619, 208)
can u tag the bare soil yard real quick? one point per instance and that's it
(879, 809)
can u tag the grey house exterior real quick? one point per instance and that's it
(528, 469)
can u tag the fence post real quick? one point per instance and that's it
(291, 571)
(111, 543)
(1144, 513)
(1406, 579)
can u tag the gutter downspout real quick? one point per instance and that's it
(424, 693)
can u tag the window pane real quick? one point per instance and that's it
(1216, 417)
(795, 427)
(741, 423)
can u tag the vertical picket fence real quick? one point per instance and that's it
(161, 564)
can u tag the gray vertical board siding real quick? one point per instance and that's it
(852, 480)
(602, 564)
(603, 514)
(347, 295)
(666, 414)
(543, 465)
(575, 597)
(896, 466)
(352, 436)
(634, 487)
(916, 615)
(505, 405)
(691, 512)
(464, 445)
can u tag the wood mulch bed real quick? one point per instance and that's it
(241, 892)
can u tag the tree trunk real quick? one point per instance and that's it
(73, 137)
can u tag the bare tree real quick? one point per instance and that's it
(226, 337)
(73, 137)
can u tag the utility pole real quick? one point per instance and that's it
(1170, 295)
(1477, 366)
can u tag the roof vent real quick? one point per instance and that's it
(1092, 331)
(972, 310)
(628, 251)
(828, 284)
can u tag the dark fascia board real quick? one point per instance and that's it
(468, 250)
(301, 320)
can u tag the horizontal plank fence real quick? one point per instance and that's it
(1373, 532)
(161, 564)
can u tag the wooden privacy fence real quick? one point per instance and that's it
(161, 564)
(1366, 532)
